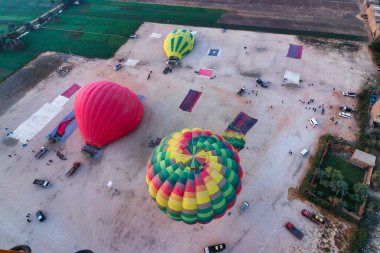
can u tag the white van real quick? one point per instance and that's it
(313, 122)
(303, 152)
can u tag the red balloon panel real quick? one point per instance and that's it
(106, 111)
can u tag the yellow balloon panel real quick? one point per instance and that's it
(178, 44)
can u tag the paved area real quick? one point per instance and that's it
(313, 16)
(82, 212)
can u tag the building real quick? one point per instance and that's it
(372, 13)
(366, 162)
(375, 114)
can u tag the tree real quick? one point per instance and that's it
(360, 194)
(28, 26)
(326, 177)
(342, 204)
(68, 3)
(333, 200)
(336, 178)
(41, 20)
(341, 187)
(11, 27)
(375, 179)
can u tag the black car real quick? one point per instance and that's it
(215, 248)
(262, 83)
(42, 183)
(117, 67)
(345, 108)
(40, 216)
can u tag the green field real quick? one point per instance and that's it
(96, 28)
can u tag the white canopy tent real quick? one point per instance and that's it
(291, 78)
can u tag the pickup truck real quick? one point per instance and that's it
(292, 229)
(41, 152)
(71, 171)
(313, 217)
(42, 183)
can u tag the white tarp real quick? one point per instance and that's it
(132, 62)
(35, 123)
(156, 35)
(60, 101)
(291, 78)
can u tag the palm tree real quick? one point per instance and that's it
(341, 187)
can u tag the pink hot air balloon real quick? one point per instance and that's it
(105, 112)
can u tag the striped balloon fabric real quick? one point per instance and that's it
(235, 137)
(194, 175)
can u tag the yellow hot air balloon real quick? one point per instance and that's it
(178, 44)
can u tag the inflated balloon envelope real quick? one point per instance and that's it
(178, 44)
(194, 176)
(105, 112)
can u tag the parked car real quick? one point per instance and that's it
(41, 152)
(117, 67)
(313, 122)
(243, 207)
(241, 92)
(303, 152)
(349, 94)
(262, 83)
(215, 248)
(295, 231)
(42, 183)
(345, 115)
(313, 217)
(74, 168)
(40, 216)
(345, 108)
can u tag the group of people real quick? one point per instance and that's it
(60, 155)
(150, 73)
(28, 219)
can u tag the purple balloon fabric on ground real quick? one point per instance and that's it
(295, 51)
(190, 100)
(243, 122)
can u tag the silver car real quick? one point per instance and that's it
(243, 207)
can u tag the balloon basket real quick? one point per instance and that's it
(91, 151)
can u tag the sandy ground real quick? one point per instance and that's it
(83, 213)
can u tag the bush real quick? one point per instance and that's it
(375, 49)
(369, 221)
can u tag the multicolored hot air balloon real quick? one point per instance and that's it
(178, 44)
(105, 112)
(194, 175)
